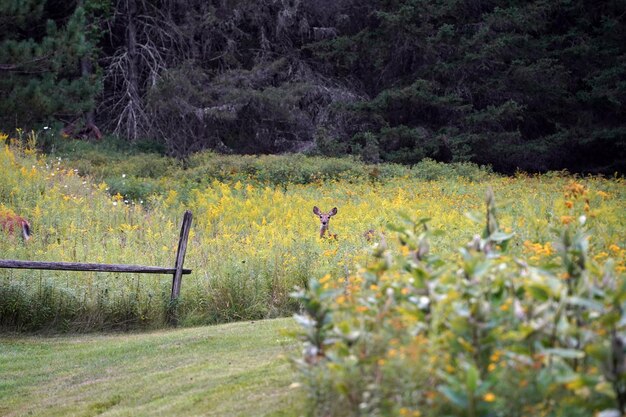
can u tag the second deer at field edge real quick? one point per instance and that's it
(11, 223)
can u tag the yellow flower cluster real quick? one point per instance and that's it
(537, 251)
(575, 190)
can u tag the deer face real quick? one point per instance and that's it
(324, 217)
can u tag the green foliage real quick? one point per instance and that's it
(484, 333)
(41, 46)
(46, 305)
(430, 170)
(532, 86)
(139, 176)
(506, 83)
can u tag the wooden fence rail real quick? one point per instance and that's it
(73, 266)
(177, 271)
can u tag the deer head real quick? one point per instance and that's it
(324, 218)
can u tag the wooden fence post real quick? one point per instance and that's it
(178, 266)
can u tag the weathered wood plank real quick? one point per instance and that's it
(180, 254)
(77, 266)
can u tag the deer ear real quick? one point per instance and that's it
(333, 211)
(316, 211)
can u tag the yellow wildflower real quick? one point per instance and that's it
(575, 189)
(489, 397)
(601, 256)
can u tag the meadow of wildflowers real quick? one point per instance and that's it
(253, 239)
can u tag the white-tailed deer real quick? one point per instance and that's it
(11, 222)
(324, 220)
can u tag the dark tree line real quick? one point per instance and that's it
(535, 85)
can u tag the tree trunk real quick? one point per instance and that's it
(133, 76)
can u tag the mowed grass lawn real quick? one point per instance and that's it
(238, 369)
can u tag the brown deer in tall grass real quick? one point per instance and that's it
(11, 223)
(325, 220)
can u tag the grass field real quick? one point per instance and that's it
(226, 370)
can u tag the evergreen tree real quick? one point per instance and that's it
(535, 84)
(42, 44)
(517, 84)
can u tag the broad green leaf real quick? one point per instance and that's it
(471, 378)
(611, 318)
(538, 292)
(303, 320)
(565, 353)
(501, 236)
(585, 302)
(605, 388)
(456, 398)
(597, 351)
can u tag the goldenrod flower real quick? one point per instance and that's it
(489, 397)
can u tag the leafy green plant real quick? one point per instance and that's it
(479, 334)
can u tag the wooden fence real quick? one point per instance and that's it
(177, 271)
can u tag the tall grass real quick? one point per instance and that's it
(252, 239)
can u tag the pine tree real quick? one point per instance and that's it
(531, 84)
(42, 44)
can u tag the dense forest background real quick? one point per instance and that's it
(533, 85)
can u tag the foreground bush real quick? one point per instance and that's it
(484, 333)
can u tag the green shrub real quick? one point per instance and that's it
(430, 170)
(480, 334)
